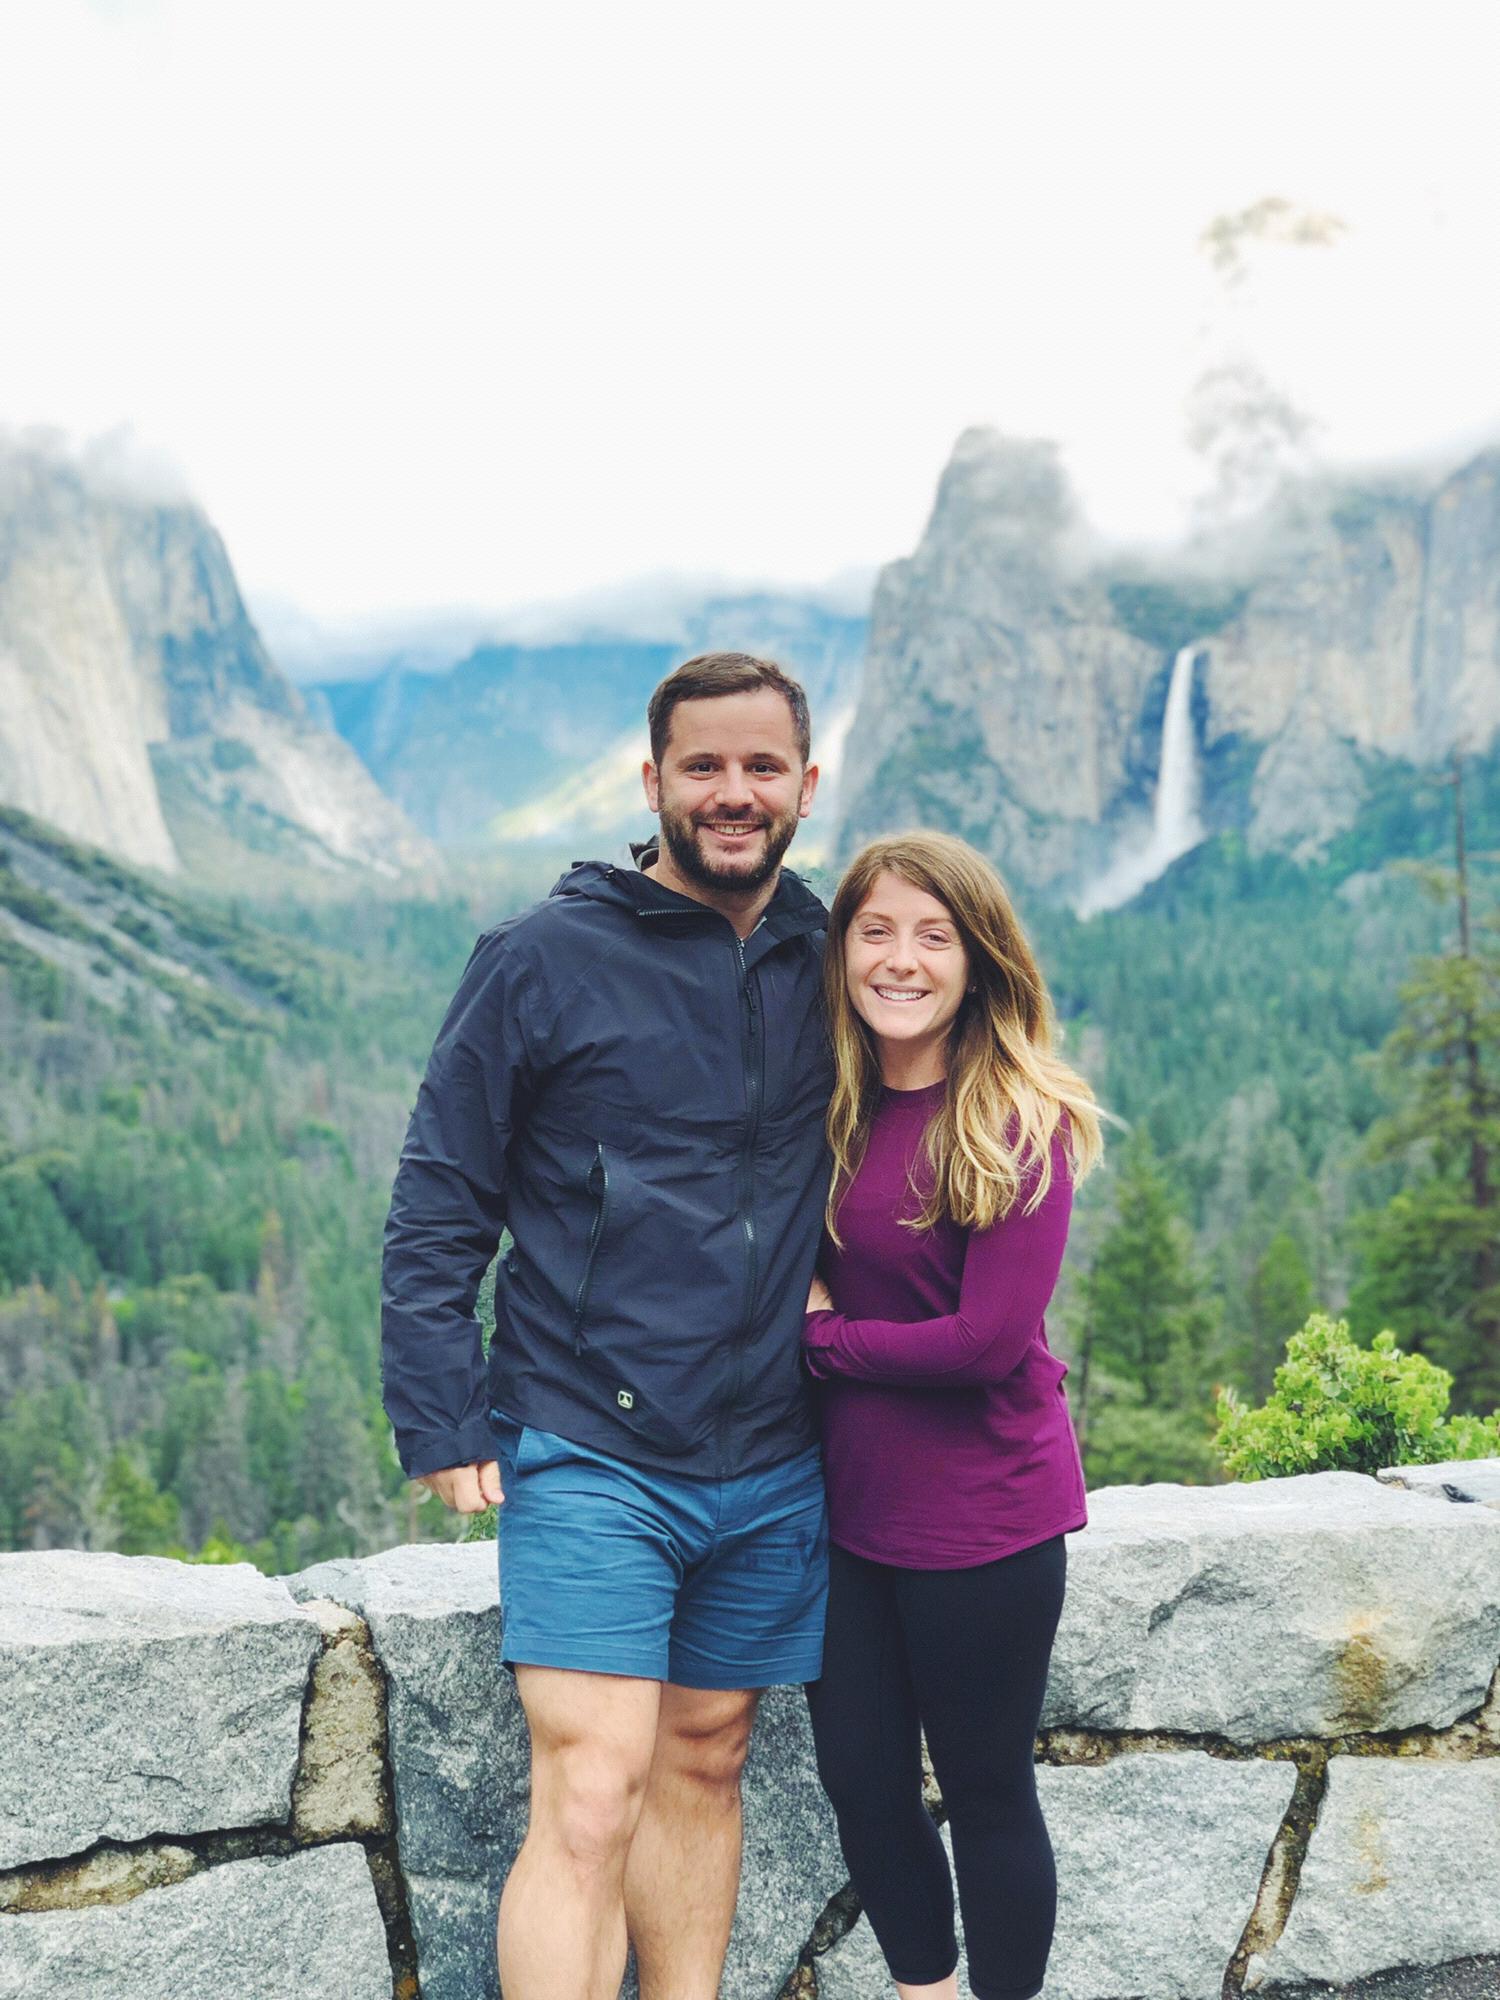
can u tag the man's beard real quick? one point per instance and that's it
(679, 831)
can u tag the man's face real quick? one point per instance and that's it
(730, 788)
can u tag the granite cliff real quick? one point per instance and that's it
(139, 709)
(1017, 676)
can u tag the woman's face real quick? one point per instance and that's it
(905, 963)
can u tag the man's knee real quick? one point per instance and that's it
(705, 1735)
(588, 1804)
(591, 1748)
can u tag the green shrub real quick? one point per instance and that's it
(1337, 1406)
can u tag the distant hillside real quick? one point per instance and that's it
(198, 1130)
(527, 742)
(139, 709)
(453, 749)
(71, 916)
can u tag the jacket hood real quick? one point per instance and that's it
(792, 910)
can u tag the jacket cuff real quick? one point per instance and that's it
(436, 1451)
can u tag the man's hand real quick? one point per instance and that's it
(819, 1298)
(467, 1489)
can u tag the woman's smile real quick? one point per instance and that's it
(907, 971)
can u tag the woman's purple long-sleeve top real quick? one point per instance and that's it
(946, 1435)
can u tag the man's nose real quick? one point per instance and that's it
(734, 789)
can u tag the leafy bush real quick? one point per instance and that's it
(1339, 1406)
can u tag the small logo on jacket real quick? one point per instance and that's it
(625, 1400)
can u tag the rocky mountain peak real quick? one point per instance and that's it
(1003, 489)
(139, 709)
(1015, 687)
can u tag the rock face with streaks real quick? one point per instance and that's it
(138, 708)
(1375, 1610)
(1001, 694)
(1017, 676)
(1403, 1869)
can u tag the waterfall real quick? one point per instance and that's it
(1175, 825)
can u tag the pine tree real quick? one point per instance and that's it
(1432, 1256)
(215, 1482)
(1281, 1297)
(142, 1520)
(1144, 1317)
(337, 1469)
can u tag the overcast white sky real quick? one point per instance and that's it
(448, 303)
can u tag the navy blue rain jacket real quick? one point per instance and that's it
(639, 1097)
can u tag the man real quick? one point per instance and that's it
(633, 1078)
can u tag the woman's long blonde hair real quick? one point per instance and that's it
(1007, 1089)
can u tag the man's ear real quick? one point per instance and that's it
(651, 779)
(809, 786)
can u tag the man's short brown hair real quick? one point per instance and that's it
(712, 674)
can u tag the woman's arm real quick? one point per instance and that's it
(1010, 1272)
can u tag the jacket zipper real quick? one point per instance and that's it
(752, 1056)
(750, 1052)
(581, 1299)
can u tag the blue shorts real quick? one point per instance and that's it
(612, 1569)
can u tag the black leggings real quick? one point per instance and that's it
(963, 1654)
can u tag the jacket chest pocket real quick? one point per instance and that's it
(597, 1186)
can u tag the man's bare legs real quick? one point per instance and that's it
(561, 1932)
(683, 1872)
(635, 1804)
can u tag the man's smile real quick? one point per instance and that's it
(732, 829)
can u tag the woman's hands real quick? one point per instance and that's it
(819, 1298)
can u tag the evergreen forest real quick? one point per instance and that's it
(204, 1100)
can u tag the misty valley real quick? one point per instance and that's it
(1223, 787)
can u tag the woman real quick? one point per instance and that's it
(953, 1472)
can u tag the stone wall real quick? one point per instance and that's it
(1270, 1763)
